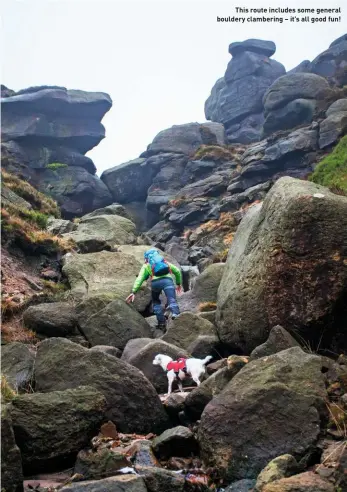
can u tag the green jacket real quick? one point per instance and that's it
(146, 273)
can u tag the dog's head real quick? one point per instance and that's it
(157, 361)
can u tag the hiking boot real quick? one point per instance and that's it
(174, 316)
(162, 327)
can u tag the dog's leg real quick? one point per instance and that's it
(170, 378)
(196, 380)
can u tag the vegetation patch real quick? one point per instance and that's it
(56, 165)
(204, 307)
(7, 393)
(332, 169)
(39, 201)
(221, 257)
(222, 153)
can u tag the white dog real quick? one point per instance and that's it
(180, 368)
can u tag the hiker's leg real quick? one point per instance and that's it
(157, 307)
(170, 292)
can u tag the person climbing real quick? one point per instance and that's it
(161, 273)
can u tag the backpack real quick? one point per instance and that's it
(157, 263)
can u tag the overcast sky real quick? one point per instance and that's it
(157, 60)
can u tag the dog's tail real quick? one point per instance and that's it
(206, 359)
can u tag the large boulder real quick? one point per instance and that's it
(185, 139)
(50, 428)
(143, 360)
(285, 392)
(279, 339)
(113, 209)
(186, 328)
(133, 347)
(56, 319)
(11, 461)
(122, 483)
(267, 48)
(179, 441)
(104, 273)
(101, 463)
(114, 325)
(295, 113)
(333, 127)
(132, 403)
(304, 482)
(287, 254)
(17, 365)
(332, 62)
(107, 230)
(280, 467)
(207, 283)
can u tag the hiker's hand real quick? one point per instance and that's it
(179, 289)
(130, 298)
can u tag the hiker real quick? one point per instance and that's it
(160, 271)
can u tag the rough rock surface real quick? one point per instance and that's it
(17, 364)
(107, 350)
(178, 441)
(285, 392)
(50, 428)
(186, 328)
(11, 462)
(304, 482)
(56, 319)
(286, 255)
(281, 467)
(122, 483)
(133, 347)
(279, 339)
(124, 387)
(103, 463)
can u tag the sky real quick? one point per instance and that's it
(158, 60)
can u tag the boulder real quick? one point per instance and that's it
(286, 392)
(162, 231)
(107, 349)
(114, 325)
(104, 273)
(102, 463)
(333, 127)
(212, 106)
(186, 328)
(143, 360)
(304, 66)
(50, 428)
(132, 403)
(122, 483)
(113, 209)
(247, 131)
(285, 256)
(206, 284)
(279, 339)
(281, 467)
(260, 46)
(158, 479)
(56, 319)
(60, 226)
(185, 139)
(17, 365)
(76, 191)
(294, 86)
(245, 485)
(11, 461)
(337, 107)
(295, 113)
(9, 197)
(178, 441)
(332, 62)
(109, 229)
(197, 399)
(129, 180)
(204, 344)
(133, 347)
(304, 482)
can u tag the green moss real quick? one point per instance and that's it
(56, 165)
(7, 393)
(332, 170)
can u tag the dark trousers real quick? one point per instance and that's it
(167, 285)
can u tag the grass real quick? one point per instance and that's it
(221, 256)
(56, 165)
(216, 153)
(332, 169)
(204, 307)
(38, 200)
(337, 419)
(7, 393)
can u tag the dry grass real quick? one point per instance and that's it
(204, 307)
(221, 257)
(7, 393)
(337, 419)
(14, 331)
(176, 202)
(216, 153)
(38, 200)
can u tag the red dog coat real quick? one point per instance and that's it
(177, 365)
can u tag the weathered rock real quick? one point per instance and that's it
(103, 463)
(247, 131)
(60, 226)
(280, 261)
(56, 319)
(11, 462)
(286, 391)
(178, 441)
(186, 328)
(122, 483)
(294, 86)
(185, 139)
(304, 66)
(245, 485)
(337, 107)
(330, 129)
(281, 467)
(141, 453)
(76, 191)
(113, 209)
(279, 339)
(295, 113)
(125, 388)
(114, 325)
(206, 285)
(260, 46)
(143, 360)
(197, 399)
(111, 230)
(162, 231)
(51, 428)
(212, 105)
(104, 273)
(304, 482)
(174, 404)
(107, 349)
(332, 62)
(133, 347)
(158, 479)
(17, 364)
(179, 252)
(129, 180)
(9, 197)
(202, 345)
